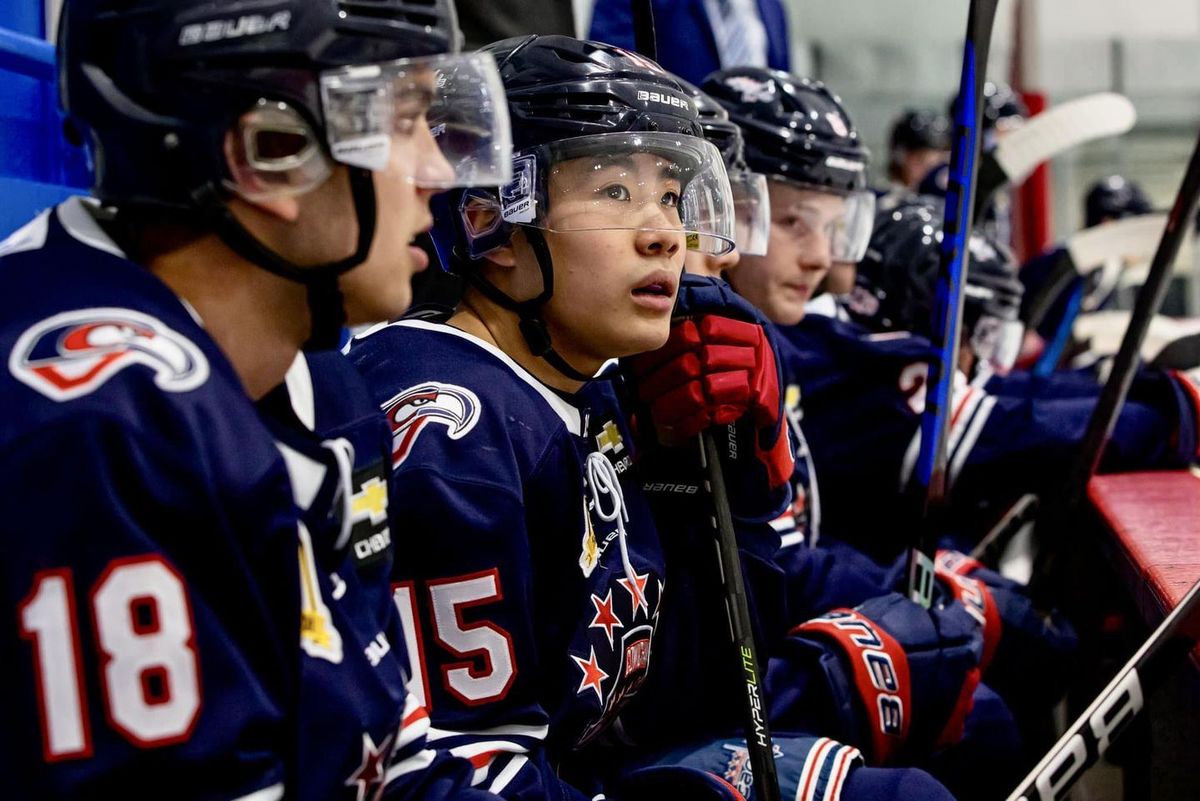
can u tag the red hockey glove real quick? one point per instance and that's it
(717, 368)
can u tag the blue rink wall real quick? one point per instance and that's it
(37, 166)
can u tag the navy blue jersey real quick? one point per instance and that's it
(187, 621)
(526, 556)
(863, 397)
(359, 726)
(150, 538)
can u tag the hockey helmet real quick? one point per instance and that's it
(155, 86)
(751, 200)
(797, 131)
(610, 131)
(918, 129)
(896, 285)
(1114, 198)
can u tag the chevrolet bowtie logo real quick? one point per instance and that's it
(609, 438)
(370, 502)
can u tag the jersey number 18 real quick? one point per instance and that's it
(149, 670)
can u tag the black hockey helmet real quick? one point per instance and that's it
(1114, 198)
(156, 84)
(750, 196)
(920, 129)
(572, 100)
(794, 127)
(897, 281)
(155, 87)
(797, 131)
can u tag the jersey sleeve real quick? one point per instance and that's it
(463, 564)
(153, 642)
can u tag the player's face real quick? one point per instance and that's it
(614, 288)
(380, 288)
(919, 163)
(799, 253)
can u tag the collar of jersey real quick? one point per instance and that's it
(79, 223)
(565, 411)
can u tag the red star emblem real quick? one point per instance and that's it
(605, 617)
(592, 674)
(370, 773)
(637, 592)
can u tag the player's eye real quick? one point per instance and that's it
(616, 192)
(670, 200)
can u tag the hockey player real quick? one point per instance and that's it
(766, 104)
(1111, 198)
(187, 617)
(1010, 435)
(919, 142)
(533, 562)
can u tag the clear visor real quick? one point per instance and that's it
(372, 109)
(997, 342)
(816, 214)
(671, 183)
(752, 212)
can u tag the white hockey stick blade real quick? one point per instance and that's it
(1104, 330)
(1133, 240)
(1061, 128)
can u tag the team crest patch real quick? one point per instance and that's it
(455, 407)
(751, 89)
(72, 354)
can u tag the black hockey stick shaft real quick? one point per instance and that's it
(993, 543)
(1149, 300)
(1107, 717)
(947, 314)
(758, 734)
(644, 38)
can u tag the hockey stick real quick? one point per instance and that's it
(1149, 300)
(1106, 718)
(1049, 134)
(729, 563)
(644, 39)
(1094, 731)
(1133, 239)
(1020, 513)
(947, 314)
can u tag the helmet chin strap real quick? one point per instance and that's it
(325, 303)
(529, 312)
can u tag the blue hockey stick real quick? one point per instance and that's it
(948, 307)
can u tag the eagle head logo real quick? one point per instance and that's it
(74, 353)
(455, 407)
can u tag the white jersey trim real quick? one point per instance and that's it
(30, 236)
(306, 475)
(272, 793)
(514, 730)
(79, 223)
(298, 381)
(505, 777)
(565, 411)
